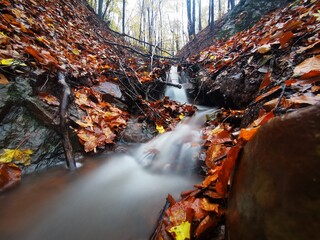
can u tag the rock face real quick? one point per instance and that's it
(275, 191)
(28, 123)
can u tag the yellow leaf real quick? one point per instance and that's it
(264, 48)
(7, 62)
(181, 116)
(11, 61)
(317, 15)
(76, 51)
(160, 128)
(16, 156)
(3, 35)
(182, 231)
(212, 57)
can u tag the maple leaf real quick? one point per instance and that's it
(89, 141)
(17, 156)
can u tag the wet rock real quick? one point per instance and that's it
(136, 132)
(275, 191)
(28, 123)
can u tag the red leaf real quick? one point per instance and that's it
(285, 38)
(227, 167)
(266, 81)
(10, 176)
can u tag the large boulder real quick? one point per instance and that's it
(275, 191)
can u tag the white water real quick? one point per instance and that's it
(175, 93)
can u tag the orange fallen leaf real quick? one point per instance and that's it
(266, 81)
(285, 38)
(267, 94)
(208, 206)
(3, 79)
(247, 133)
(227, 167)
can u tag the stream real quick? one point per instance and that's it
(111, 196)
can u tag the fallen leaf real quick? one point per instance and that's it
(264, 48)
(226, 169)
(49, 99)
(3, 79)
(10, 176)
(317, 15)
(205, 224)
(209, 207)
(181, 232)
(247, 133)
(160, 128)
(285, 38)
(308, 68)
(16, 156)
(266, 81)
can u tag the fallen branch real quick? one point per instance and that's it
(140, 53)
(170, 84)
(66, 92)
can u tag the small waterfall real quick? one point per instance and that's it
(175, 151)
(174, 93)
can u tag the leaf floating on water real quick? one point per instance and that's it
(10, 176)
(16, 156)
(182, 232)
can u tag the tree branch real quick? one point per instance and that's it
(66, 92)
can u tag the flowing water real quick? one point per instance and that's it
(115, 197)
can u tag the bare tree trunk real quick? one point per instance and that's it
(193, 17)
(100, 5)
(200, 13)
(123, 15)
(231, 4)
(211, 14)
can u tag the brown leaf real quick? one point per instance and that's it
(3, 79)
(215, 152)
(10, 176)
(208, 206)
(205, 224)
(308, 68)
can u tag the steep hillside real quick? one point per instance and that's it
(47, 46)
(242, 17)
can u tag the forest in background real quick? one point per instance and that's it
(169, 25)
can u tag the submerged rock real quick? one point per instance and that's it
(275, 191)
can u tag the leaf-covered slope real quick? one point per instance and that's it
(242, 17)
